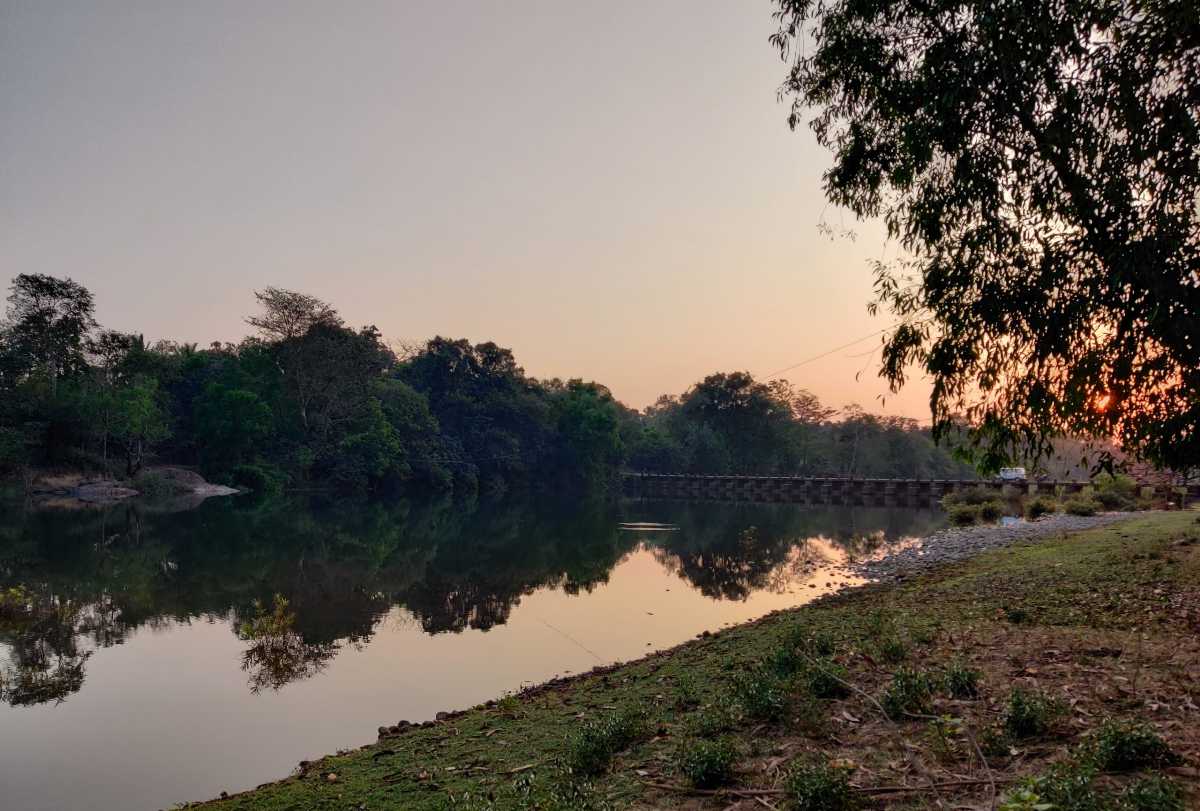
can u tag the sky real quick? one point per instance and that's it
(611, 190)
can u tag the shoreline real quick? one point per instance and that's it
(954, 544)
(528, 730)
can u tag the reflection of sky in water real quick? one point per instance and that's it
(386, 627)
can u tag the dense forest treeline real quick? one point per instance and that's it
(309, 401)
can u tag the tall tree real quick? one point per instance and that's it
(49, 321)
(287, 314)
(1040, 163)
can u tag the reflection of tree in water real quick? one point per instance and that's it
(95, 575)
(729, 551)
(729, 568)
(277, 654)
(477, 579)
(340, 568)
(44, 659)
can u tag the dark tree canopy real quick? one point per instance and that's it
(1040, 164)
(48, 324)
(287, 314)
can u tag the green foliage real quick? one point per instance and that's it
(1072, 786)
(16, 449)
(707, 763)
(1081, 505)
(1123, 746)
(892, 649)
(991, 511)
(825, 678)
(1152, 793)
(262, 479)
(1116, 492)
(49, 322)
(961, 681)
(1041, 172)
(687, 692)
(910, 692)
(1068, 786)
(963, 515)
(974, 496)
(942, 736)
(232, 422)
(1040, 505)
(819, 788)
(813, 641)
(713, 720)
(761, 694)
(1030, 713)
(590, 750)
(331, 407)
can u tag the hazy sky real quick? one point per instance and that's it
(609, 189)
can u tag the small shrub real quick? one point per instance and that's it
(911, 691)
(761, 695)
(1123, 746)
(590, 750)
(811, 718)
(1039, 506)
(1023, 799)
(812, 641)
(1118, 492)
(878, 622)
(973, 496)
(992, 510)
(509, 706)
(893, 650)
(258, 478)
(785, 662)
(820, 788)
(825, 678)
(707, 764)
(821, 643)
(922, 633)
(963, 515)
(1081, 505)
(995, 741)
(942, 736)
(713, 720)
(1016, 615)
(1065, 787)
(686, 692)
(1030, 713)
(961, 681)
(1152, 793)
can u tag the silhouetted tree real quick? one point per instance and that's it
(1040, 164)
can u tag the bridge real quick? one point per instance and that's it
(835, 490)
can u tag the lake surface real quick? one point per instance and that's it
(153, 667)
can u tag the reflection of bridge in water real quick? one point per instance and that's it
(832, 490)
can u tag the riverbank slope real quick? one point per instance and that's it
(953, 687)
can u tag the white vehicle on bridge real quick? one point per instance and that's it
(1012, 474)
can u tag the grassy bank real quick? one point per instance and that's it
(1063, 673)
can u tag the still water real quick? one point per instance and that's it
(143, 661)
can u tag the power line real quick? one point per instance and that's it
(831, 351)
